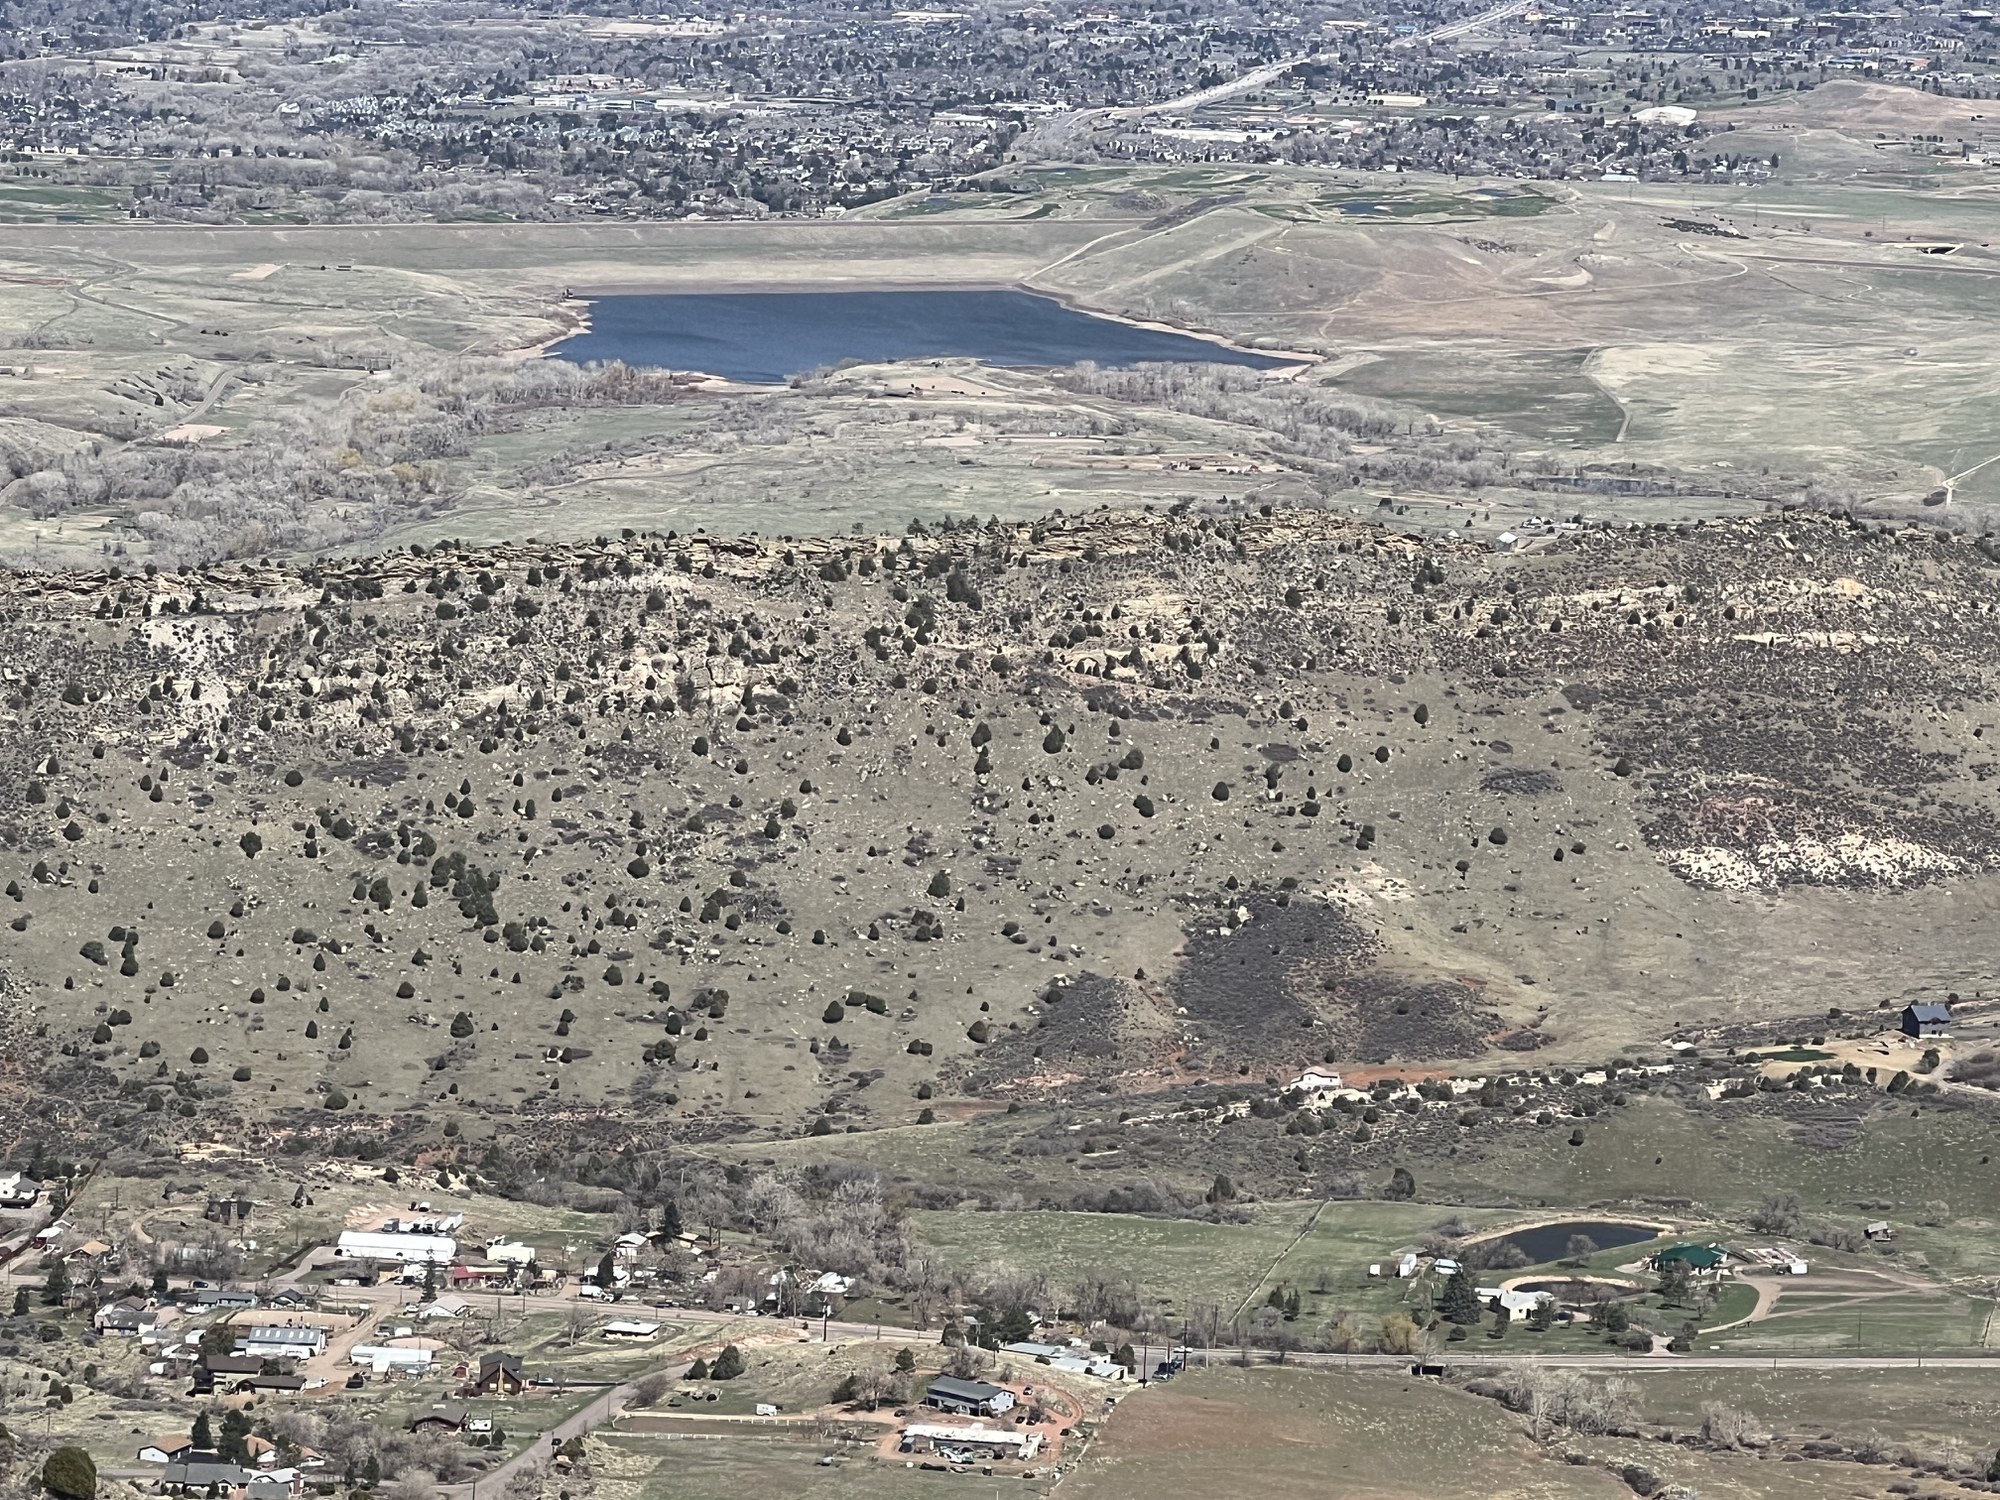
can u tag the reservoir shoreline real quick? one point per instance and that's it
(581, 303)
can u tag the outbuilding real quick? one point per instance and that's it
(283, 1342)
(1927, 1018)
(630, 1329)
(409, 1249)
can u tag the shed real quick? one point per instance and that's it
(1927, 1018)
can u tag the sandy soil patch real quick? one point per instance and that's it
(189, 433)
(259, 272)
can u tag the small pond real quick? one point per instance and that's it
(1547, 1242)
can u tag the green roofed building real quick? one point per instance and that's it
(1697, 1257)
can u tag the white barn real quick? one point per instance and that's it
(410, 1249)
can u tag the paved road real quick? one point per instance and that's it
(1471, 23)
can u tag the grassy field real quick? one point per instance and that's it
(35, 201)
(1918, 1322)
(1916, 1406)
(731, 1467)
(1937, 1171)
(1291, 1435)
(1297, 1435)
(1172, 1259)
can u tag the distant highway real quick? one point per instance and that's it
(1458, 29)
(1270, 73)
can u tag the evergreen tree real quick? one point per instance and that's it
(607, 1275)
(728, 1364)
(1460, 1302)
(1676, 1281)
(55, 1291)
(235, 1444)
(204, 1434)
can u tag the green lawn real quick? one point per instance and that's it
(1173, 1259)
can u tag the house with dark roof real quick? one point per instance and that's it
(1927, 1018)
(225, 1371)
(276, 1484)
(126, 1315)
(447, 1416)
(204, 1476)
(223, 1298)
(972, 1398)
(499, 1374)
(1697, 1258)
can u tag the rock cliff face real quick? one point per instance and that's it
(667, 835)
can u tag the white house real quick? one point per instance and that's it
(18, 1190)
(511, 1253)
(446, 1306)
(1518, 1304)
(630, 1329)
(1318, 1085)
(410, 1249)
